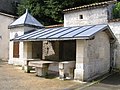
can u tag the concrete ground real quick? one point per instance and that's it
(110, 83)
(12, 78)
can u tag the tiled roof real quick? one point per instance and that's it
(54, 26)
(115, 20)
(26, 19)
(8, 15)
(90, 6)
(65, 33)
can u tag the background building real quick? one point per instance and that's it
(7, 16)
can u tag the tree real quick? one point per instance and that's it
(35, 7)
(50, 11)
(116, 11)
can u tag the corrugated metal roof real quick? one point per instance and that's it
(65, 33)
(90, 6)
(26, 19)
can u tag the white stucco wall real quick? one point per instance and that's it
(23, 46)
(13, 32)
(19, 31)
(4, 33)
(26, 28)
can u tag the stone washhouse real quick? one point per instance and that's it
(85, 48)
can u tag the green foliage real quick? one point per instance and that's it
(46, 11)
(50, 11)
(34, 7)
(116, 11)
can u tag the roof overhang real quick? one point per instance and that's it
(52, 39)
(23, 25)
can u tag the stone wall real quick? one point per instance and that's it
(100, 15)
(97, 56)
(50, 50)
(115, 27)
(90, 17)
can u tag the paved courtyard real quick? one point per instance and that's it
(11, 78)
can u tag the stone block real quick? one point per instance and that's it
(66, 69)
(78, 74)
(41, 71)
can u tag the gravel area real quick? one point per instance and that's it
(12, 78)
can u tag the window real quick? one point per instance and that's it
(16, 49)
(81, 17)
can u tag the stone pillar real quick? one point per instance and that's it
(61, 71)
(27, 55)
(21, 53)
(66, 69)
(79, 69)
(44, 51)
(21, 49)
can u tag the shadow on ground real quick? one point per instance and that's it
(51, 75)
(113, 79)
(2, 62)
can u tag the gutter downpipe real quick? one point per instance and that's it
(113, 53)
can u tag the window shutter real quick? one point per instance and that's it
(16, 49)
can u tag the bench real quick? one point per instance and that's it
(41, 66)
(27, 68)
(66, 68)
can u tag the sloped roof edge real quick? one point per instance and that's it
(89, 6)
(26, 19)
